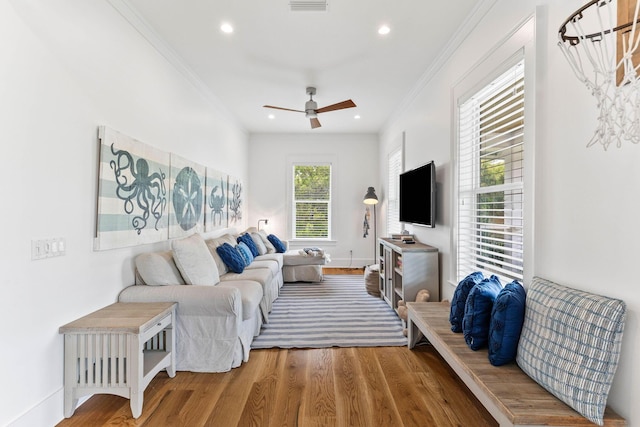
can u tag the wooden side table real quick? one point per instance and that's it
(118, 350)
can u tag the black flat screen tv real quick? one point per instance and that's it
(418, 195)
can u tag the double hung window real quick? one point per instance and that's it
(311, 201)
(490, 229)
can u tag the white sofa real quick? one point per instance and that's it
(221, 312)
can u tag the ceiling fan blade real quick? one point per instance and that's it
(281, 108)
(339, 106)
(315, 123)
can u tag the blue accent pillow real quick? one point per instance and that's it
(460, 299)
(277, 243)
(507, 317)
(477, 312)
(245, 252)
(246, 238)
(231, 257)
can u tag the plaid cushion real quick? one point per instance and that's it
(570, 344)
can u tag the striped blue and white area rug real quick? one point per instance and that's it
(337, 312)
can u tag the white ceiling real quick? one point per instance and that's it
(274, 54)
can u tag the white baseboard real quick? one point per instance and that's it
(347, 263)
(48, 412)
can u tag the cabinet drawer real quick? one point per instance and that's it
(157, 327)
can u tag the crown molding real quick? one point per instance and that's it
(135, 19)
(472, 20)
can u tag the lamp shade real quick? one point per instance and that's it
(370, 198)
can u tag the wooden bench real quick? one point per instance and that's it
(510, 395)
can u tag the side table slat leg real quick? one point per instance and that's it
(170, 344)
(70, 374)
(136, 347)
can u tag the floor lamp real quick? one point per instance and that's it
(371, 199)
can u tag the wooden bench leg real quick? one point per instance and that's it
(414, 335)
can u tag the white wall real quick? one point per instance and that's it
(356, 161)
(586, 200)
(67, 67)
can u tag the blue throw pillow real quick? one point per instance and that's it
(231, 257)
(277, 243)
(507, 318)
(245, 252)
(246, 238)
(477, 312)
(460, 299)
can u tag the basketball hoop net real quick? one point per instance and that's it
(612, 76)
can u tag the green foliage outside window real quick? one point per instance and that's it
(312, 195)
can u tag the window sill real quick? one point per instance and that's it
(312, 242)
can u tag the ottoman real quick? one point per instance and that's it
(303, 265)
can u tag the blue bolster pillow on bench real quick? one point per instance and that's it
(507, 317)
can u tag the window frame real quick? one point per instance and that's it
(394, 180)
(493, 241)
(517, 44)
(318, 160)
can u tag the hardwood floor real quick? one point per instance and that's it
(382, 386)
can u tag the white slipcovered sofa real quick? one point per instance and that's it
(219, 312)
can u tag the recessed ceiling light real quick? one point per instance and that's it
(384, 30)
(357, 116)
(226, 28)
(271, 116)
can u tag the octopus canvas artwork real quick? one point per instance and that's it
(133, 194)
(216, 206)
(186, 210)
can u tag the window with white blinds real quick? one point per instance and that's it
(311, 201)
(394, 168)
(490, 179)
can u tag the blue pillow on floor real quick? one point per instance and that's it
(246, 238)
(460, 299)
(231, 257)
(507, 318)
(277, 243)
(477, 312)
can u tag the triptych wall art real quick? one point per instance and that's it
(146, 195)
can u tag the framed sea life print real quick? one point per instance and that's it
(215, 200)
(186, 197)
(235, 200)
(132, 192)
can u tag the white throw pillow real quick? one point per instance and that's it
(193, 259)
(212, 244)
(257, 240)
(270, 248)
(158, 269)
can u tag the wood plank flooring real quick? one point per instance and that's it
(381, 386)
